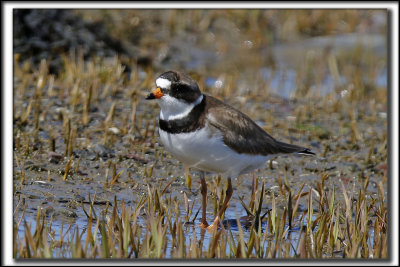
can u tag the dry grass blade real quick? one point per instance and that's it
(248, 211)
(258, 218)
(290, 210)
(115, 178)
(347, 201)
(212, 252)
(166, 187)
(67, 168)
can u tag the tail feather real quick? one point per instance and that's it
(289, 148)
(306, 151)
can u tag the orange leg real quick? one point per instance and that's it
(228, 196)
(188, 178)
(203, 189)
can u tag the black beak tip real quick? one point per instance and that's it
(150, 96)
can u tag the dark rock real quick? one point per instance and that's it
(49, 33)
(38, 168)
(329, 167)
(66, 212)
(136, 157)
(54, 157)
(63, 200)
(103, 151)
(78, 198)
(312, 167)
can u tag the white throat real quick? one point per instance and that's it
(173, 108)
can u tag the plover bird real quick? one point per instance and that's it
(207, 134)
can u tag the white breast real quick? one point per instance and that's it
(205, 150)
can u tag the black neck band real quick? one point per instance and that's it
(189, 123)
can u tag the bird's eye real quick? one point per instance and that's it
(177, 88)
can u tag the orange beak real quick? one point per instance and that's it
(156, 94)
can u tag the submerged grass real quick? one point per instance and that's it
(358, 229)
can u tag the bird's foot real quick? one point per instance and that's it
(210, 227)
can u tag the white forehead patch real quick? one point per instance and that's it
(163, 83)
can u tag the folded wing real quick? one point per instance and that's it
(243, 135)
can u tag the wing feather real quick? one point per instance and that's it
(237, 127)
